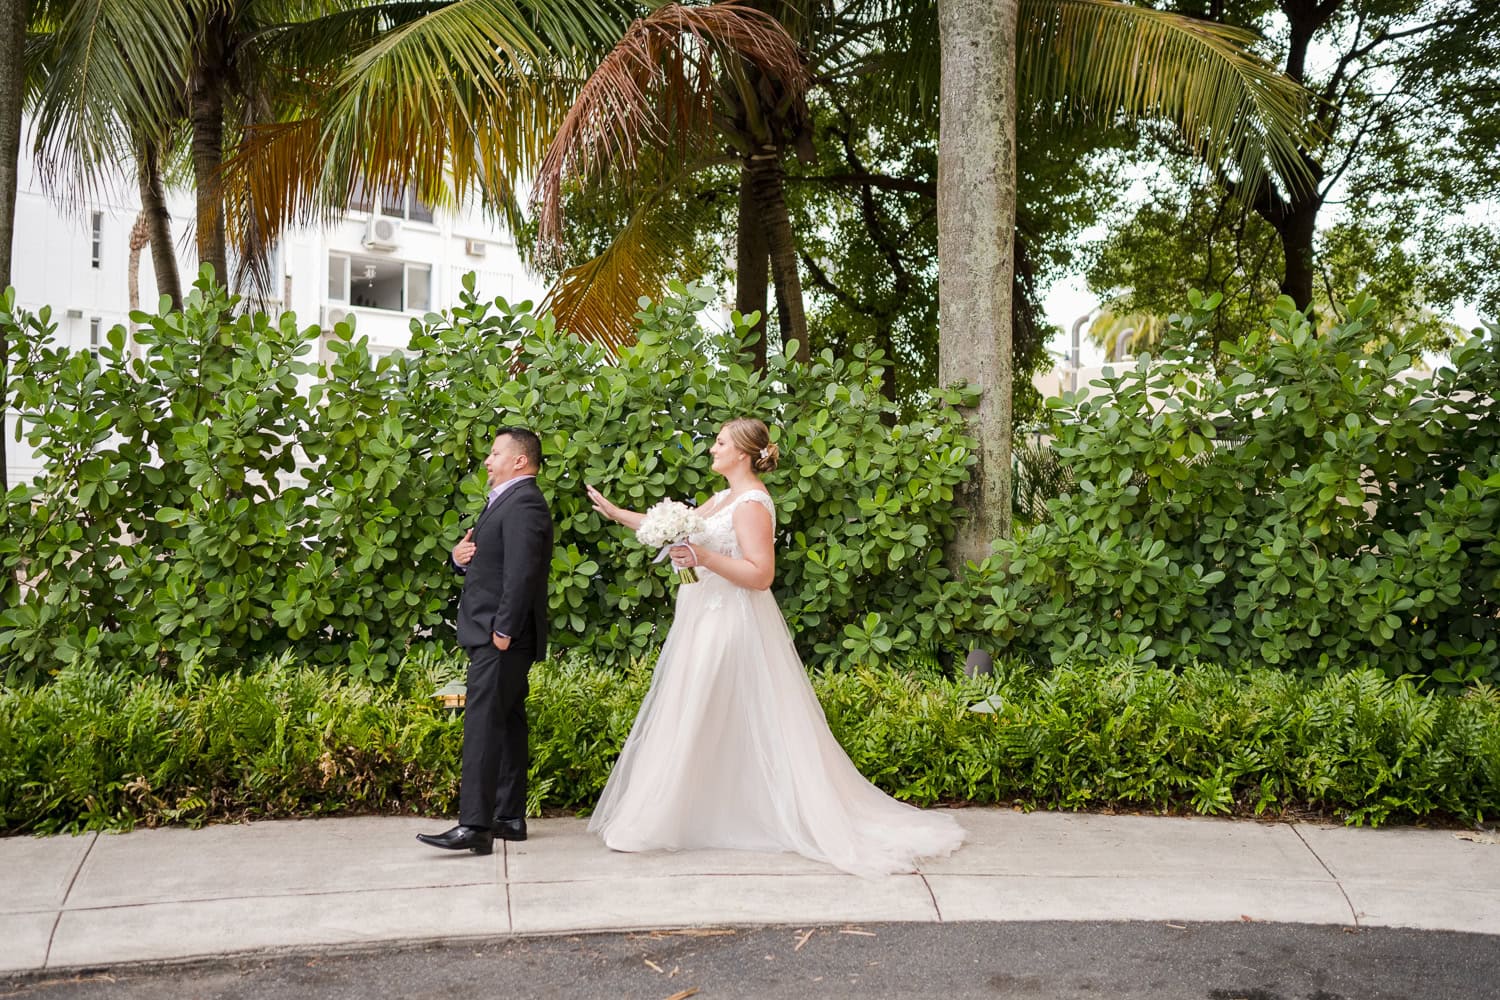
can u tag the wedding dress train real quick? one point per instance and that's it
(731, 748)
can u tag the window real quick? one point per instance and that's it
(338, 278)
(379, 283)
(94, 333)
(418, 287)
(417, 210)
(98, 239)
(404, 205)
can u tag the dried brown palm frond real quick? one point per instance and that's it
(657, 89)
(598, 299)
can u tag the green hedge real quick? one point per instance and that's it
(203, 507)
(1298, 501)
(102, 751)
(1301, 502)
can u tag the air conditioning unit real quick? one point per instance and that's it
(382, 233)
(474, 248)
(332, 316)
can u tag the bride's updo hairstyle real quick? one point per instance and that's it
(753, 438)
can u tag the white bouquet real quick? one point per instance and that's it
(666, 524)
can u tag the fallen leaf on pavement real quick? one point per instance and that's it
(696, 932)
(684, 994)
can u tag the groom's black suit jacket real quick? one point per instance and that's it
(505, 586)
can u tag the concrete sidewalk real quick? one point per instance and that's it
(161, 895)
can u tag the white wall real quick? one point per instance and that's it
(54, 266)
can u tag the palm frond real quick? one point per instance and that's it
(1040, 476)
(1122, 332)
(657, 90)
(598, 299)
(462, 98)
(300, 44)
(479, 86)
(101, 72)
(893, 44)
(1111, 60)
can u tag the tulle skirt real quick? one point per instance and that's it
(731, 750)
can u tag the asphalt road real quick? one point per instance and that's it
(1248, 961)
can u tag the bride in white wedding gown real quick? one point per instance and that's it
(731, 748)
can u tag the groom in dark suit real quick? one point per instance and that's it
(502, 624)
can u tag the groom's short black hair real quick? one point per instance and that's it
(527, 441)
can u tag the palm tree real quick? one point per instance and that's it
(462, 98)
(120, 82)
(1107, 57)
(685, 82)
(106, 88)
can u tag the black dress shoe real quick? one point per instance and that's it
(509, 829)
(461, 838)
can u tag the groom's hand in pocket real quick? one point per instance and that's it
(502, 642)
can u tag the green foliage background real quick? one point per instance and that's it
(1299, 501)
(1309, 504)
(203, 506)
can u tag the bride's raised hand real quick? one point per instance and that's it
(613, 511)
(601, 505)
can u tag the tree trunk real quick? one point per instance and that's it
(769, 186)
(1294, 215)
(976, 247)
(1296, 229)
(751, 266)
(887, 345)
(158, 223)
(13, 17)
(140, 235)
(207, 102)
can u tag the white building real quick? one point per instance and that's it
(383, 263)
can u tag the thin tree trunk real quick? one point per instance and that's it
(208, 156)
(769, 185)
(976, 246)
(887, 344)
(140, 236)
(1294, 215)
(751, 266)
(13, 17)
(158, 223)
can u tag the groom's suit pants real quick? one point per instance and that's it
(495, 733)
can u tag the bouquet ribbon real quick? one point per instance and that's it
(686, 574)
(666, 550)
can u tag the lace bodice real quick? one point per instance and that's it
(718, 527)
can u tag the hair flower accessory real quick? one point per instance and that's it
(764, 452)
